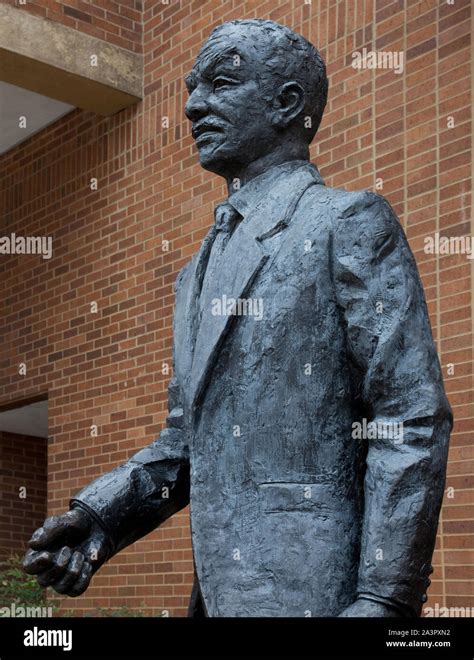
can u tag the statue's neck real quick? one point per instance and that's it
(278, 156)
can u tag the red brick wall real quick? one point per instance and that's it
(23, 465)
(117, 21)
(106, 368)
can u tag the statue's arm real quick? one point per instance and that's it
(134, 498)
(390, 342)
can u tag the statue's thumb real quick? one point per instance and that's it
(67, 529)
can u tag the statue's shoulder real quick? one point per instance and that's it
(360, 207)
(339, 204)
(346, 203)
(351, 217)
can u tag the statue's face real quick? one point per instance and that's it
(231, 122)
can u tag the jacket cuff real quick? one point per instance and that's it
(78, 504)
(401, 608)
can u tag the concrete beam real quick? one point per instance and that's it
(57, 61)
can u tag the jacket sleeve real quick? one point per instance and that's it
(134, 498)
(391, 346)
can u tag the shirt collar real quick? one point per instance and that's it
(245, 199)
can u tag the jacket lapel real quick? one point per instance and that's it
(186, 312)
(246, 259)
(246, 253)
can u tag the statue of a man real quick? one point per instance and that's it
(308, 423)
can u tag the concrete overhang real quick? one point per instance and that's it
(28, 419)
(67, 65)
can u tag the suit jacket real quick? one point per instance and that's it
(292, 512)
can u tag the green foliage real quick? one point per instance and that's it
(18, 587)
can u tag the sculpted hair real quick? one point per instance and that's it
(288, 56)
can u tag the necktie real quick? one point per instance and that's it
(226, 217)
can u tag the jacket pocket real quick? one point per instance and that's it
(279, 496)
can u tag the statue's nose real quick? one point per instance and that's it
(196, 106)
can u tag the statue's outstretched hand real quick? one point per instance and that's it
(66, 551)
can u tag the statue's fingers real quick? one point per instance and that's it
(71, 575)
(83, 580)
(94, 549)
(44, 535)
(37, 562)
(57, 529)
(58, 568)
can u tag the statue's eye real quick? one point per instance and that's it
(190, 83)
(219, 83)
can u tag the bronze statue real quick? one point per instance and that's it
(308, 423)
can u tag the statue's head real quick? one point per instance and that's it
(256, 88)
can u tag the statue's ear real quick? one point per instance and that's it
(289, 104)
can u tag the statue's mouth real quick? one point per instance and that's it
(199, 131)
